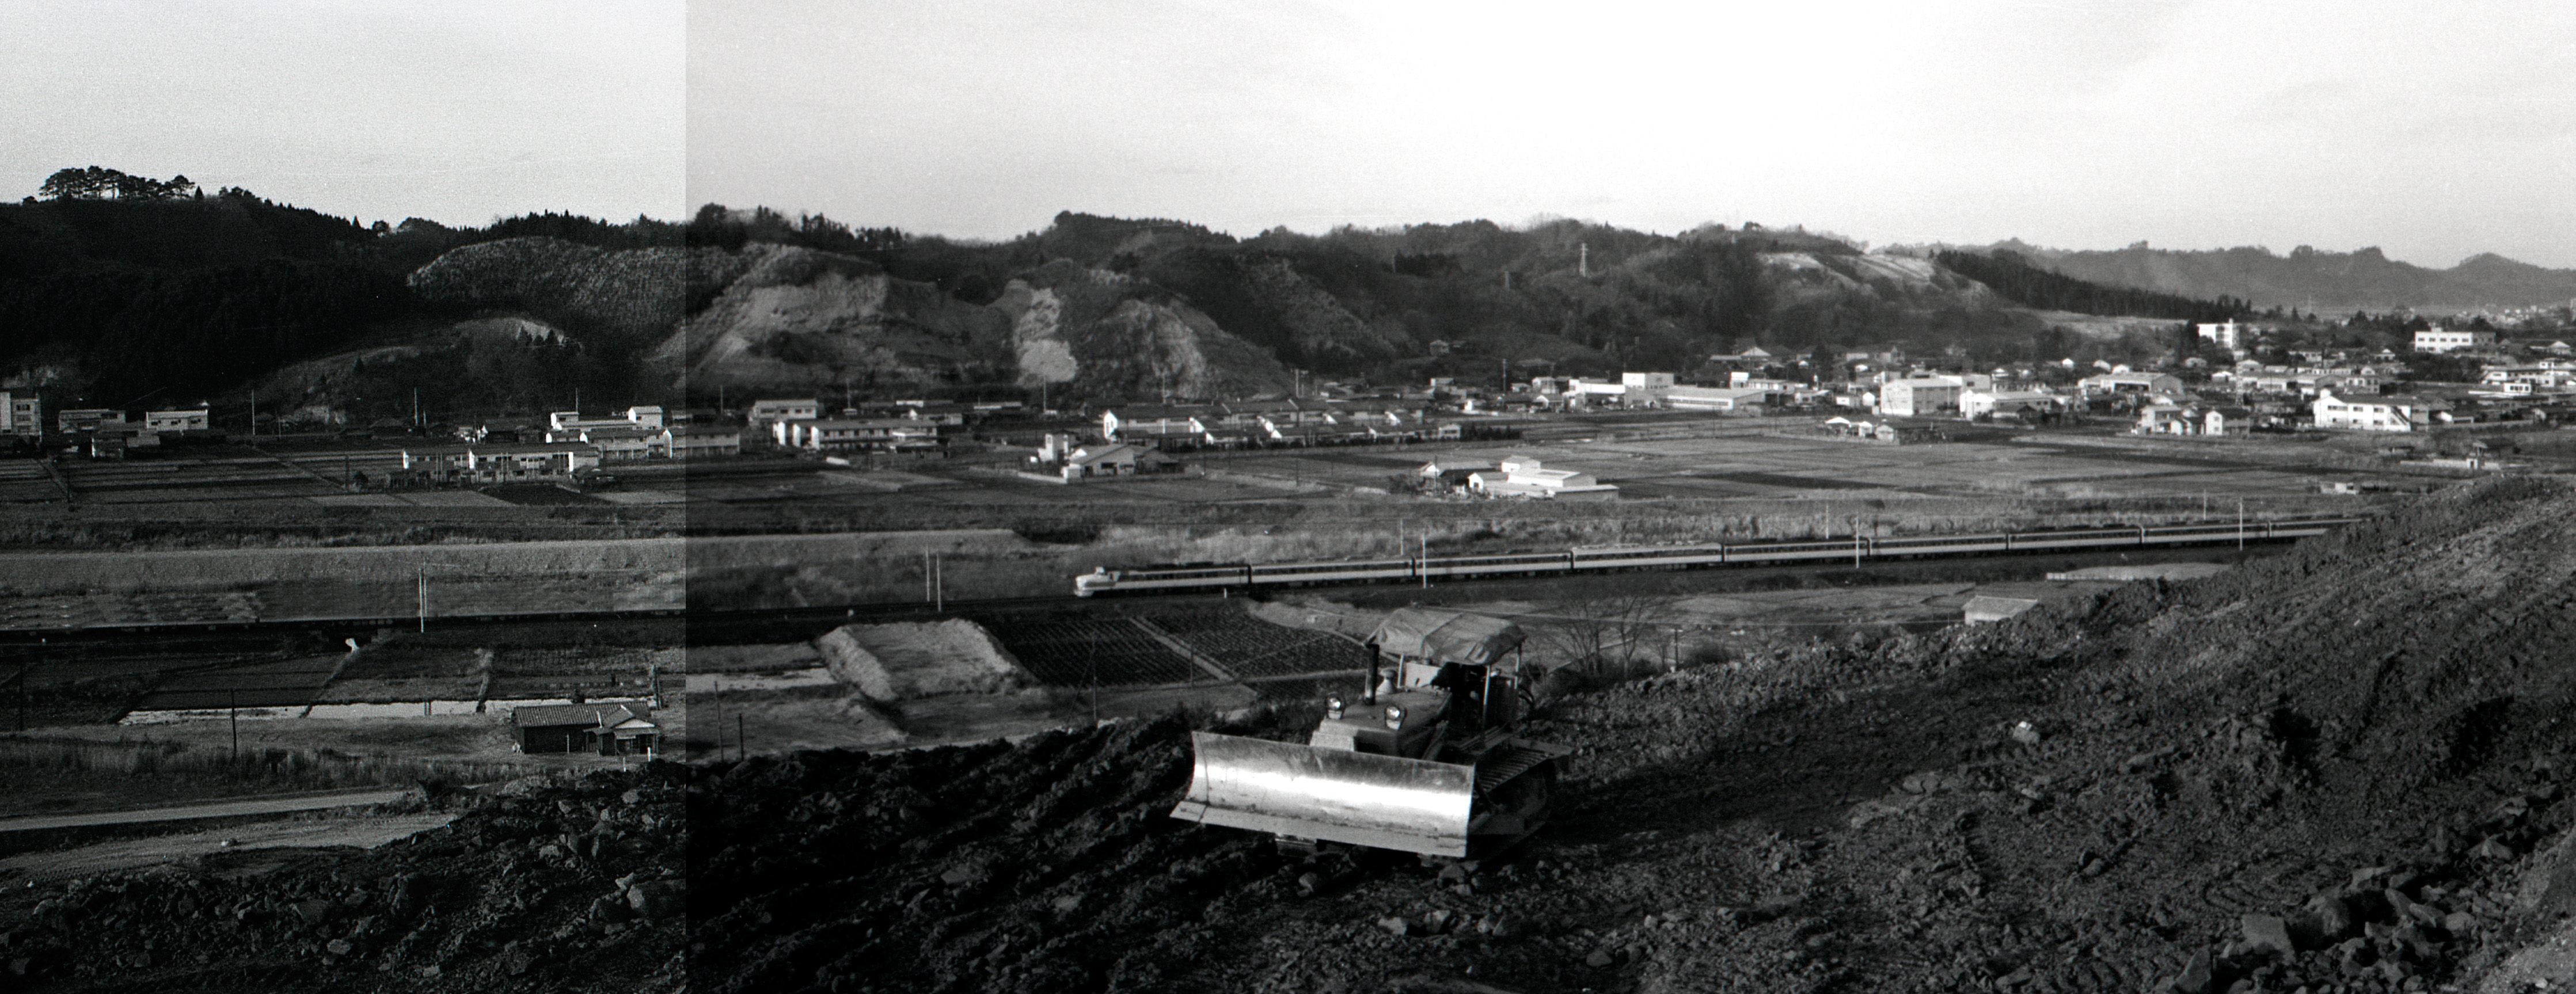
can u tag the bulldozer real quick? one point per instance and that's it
(1423, 759)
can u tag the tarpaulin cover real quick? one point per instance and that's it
(1446, 636)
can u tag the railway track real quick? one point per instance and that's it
(712, 625)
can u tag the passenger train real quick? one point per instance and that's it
(1248, 576)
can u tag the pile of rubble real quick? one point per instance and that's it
(543, 886)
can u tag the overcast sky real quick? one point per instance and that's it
(459, 112)
(2431, 130)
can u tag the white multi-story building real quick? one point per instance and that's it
(1646, 389)
(21, 415)
(2547, 375)
(1920, 396)
(765, 413)
(2147, 383)
(86, 419)
(2026, 403)
(835, 434)
(701, 441)
(2225, 334)
(187, 420)
(570, 424)
(1720, 399)
(2382, 413)
(1588, 392)
(527, 461)
(2443, 340)
(1522, 476)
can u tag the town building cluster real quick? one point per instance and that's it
(2217, 388)
(104, 433)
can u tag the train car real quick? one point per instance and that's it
(1513, 564)
(2082, 538)
(1938, 545)
(1307, 574)
(1648, 556)
(1163, 578)
(1784, 552)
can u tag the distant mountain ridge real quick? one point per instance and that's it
(2331, 282)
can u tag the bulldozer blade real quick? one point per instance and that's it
(1382, 802)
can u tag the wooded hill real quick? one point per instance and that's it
(162, 293)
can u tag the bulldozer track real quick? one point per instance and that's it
(2262, 883)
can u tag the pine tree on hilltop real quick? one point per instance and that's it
(94, 183)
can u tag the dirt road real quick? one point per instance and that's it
(131, 854)
(212, 809)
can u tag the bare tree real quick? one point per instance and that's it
(1612, 636)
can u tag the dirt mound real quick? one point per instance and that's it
(908, 660)
(548, 886)
(2341, 769)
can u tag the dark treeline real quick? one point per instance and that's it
(468, 374)
(175, 335)
(717, 226)
(128, 291)
(2011, 275)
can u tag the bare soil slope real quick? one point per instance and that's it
(2356, 751)
(549, 886)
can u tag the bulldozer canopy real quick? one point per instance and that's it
(1446, 636)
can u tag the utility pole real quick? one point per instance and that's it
(236, 722)
(939, 583)
(741, 745)
(2240, 524)
(1855, 541)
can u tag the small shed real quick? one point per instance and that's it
(1983, 608)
